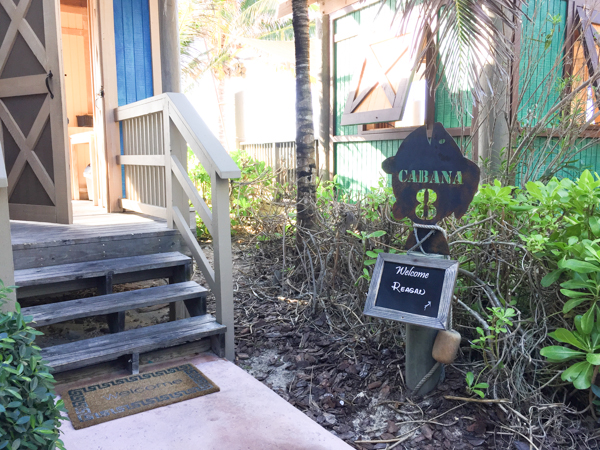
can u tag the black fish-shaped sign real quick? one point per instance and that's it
(431, 181)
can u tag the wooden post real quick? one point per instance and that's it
(419, 345)
(7, 268)
(222, 259)
(116, 321)
(276, 165)
(110, 101)
(177, 310)
(169, 47)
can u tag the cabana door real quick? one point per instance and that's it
(33, 133)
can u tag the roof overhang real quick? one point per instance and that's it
(326, 6)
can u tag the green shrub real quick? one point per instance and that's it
(29, 415)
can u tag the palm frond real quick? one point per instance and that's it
(468, 35)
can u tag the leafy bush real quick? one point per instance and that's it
(249, 195)
(29, 415)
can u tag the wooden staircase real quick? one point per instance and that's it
(103, 274)
(156, 134)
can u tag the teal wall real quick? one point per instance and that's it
(541, 58)
(358, 164)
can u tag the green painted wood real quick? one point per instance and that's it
(452, 111)
(544, 150)
(541, 58)
(358, 164)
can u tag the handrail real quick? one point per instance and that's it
(191, 126)
(181, 124)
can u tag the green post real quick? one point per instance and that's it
(419, 345)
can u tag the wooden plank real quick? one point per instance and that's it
(155, 43)
(3, 176)
(140, 108)
(134, 363)
(223, 286)
(205, 145)
(112, 144)
(110, 347)
(143, 208)
(112, 303)
(7, 271)
(58, 113)
(141, 160)
(28, 85)
(81, 138)
(89, 230)
(73, 31)
(74, 252)
(192, 243)
(34, 213)
(115, 320)
(90, 283)
(95, 269)
(192, 193)
(182, 274)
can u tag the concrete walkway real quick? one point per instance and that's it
(244, 415)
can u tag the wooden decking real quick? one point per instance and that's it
(94, 235)
(88, 222)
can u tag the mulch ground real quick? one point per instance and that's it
(355, 388)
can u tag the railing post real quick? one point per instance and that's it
(222, 259)
(7, 268)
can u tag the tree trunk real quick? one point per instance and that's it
(305, 133)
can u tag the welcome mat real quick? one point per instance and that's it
(98, 403)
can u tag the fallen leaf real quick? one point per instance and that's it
(374, 385)
(427, 431)
(392, 427)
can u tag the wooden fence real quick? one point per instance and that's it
(281, 156)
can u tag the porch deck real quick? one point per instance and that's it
(245, 414)
(88, 222)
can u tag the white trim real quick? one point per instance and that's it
(143, 208)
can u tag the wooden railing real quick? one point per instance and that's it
(156, 135)
(7, 268)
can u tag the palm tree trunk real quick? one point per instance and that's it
(305, 133)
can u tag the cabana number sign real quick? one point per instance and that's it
(431, 180)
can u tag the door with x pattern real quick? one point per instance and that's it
(33, 128)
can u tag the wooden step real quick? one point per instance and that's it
(37, 244)
(65, 277)
(110, 347)
(94, 269)
(111, 303)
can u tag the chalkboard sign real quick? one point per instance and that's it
(412, 289)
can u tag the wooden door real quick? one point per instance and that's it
(33, 129)
(98, 96)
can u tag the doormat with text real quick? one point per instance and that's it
(98, 403)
